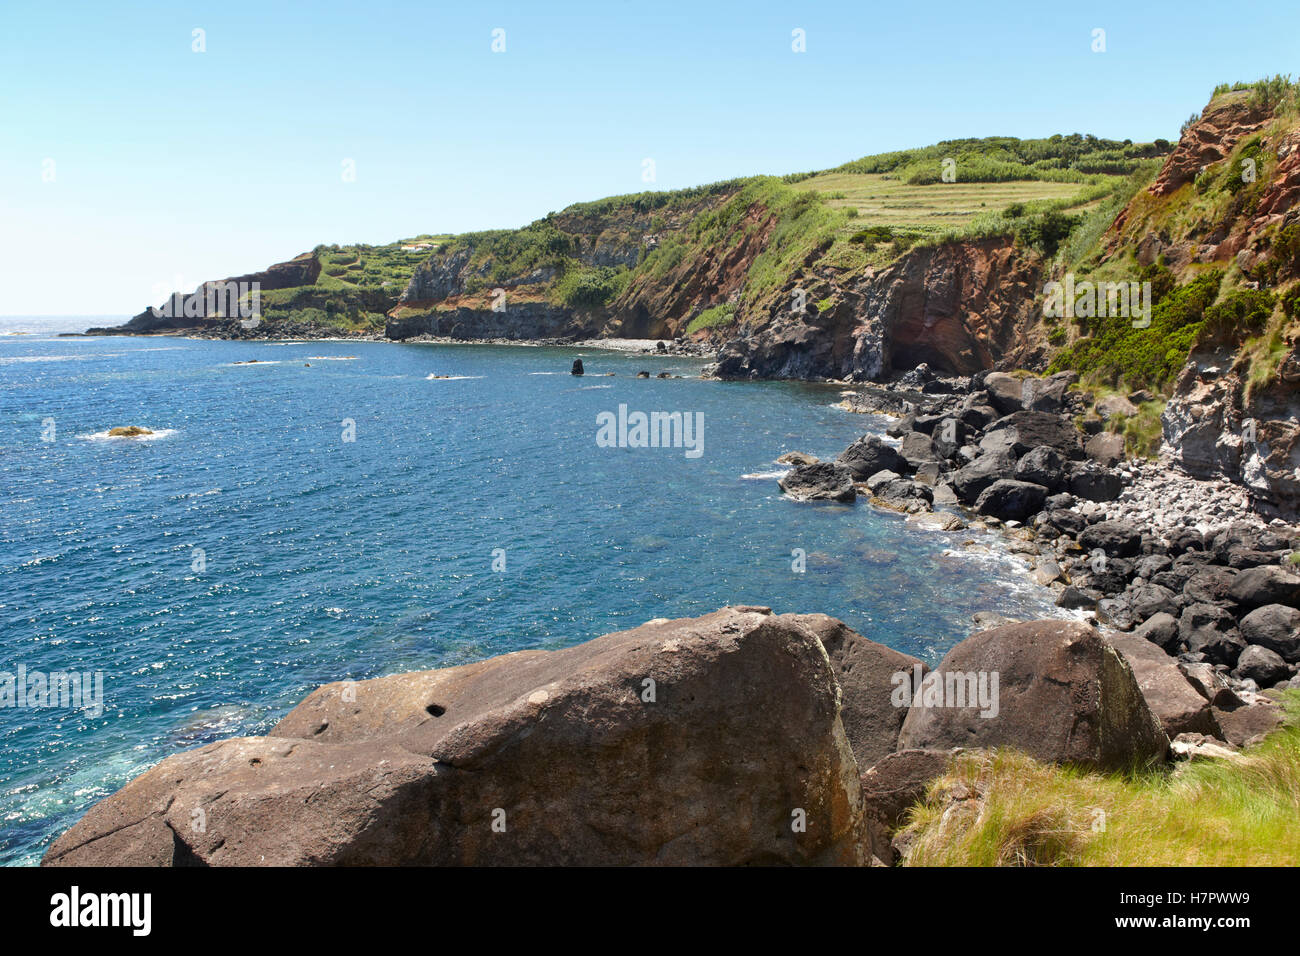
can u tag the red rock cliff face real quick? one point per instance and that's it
(1207, 141)
(960, 307)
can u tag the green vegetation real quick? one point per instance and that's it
(1112, 351)
(589, 287)
(1142, 432)
(993, 159)
(718, 315)
(1272, 93)
(1206, 813)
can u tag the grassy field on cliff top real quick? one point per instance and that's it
(862, 214)
(1205, 813)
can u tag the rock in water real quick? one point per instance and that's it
(1064, 696)
(577, 367)
(129, 431)
(869, 455)
(823, 481)
(712, 740)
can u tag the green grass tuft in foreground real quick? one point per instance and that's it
(1206, 813)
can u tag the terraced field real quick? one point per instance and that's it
(881, 199)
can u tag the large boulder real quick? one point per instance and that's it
(1092, 482)
(1006, 392)
(868, 455)
(1116, 538)
(1276, 627)
(893, 785)
(1065, 696)
(1211, 630)
(823, 481)
(1043, 466)
(1024, 431)
(918, 448)
(1262, 666)
(875, 685)
(1211, 585)
(1011, 500)
(969, 481)
(1160, 629)
(1256, 587)
(1244, 724)
(903, 494)
(713, 740)
(1105, 447)
(1179, 707)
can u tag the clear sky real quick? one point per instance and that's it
(171, 165)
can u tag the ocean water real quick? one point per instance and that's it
(333, 512)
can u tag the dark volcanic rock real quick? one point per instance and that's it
(1011, 500)
(577, 367)
(918, 448)
(1078, 599)
(1160, 629)
(678, 742)
(1211, 630)
(1148, 600)
(1116, 538)
(1276, 627)
(1091, 482)
(824, 481)
(868, 455)
(968, 482)
(903, 494)
(1066, 696)
(1106, 448)
(1257, 587)
(1211, 585)
(1028, 430)
(1043, 466)
(1261, 665)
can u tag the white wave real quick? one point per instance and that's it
(449, 378)
(764, 475)
(330, 358)
(16, 359)
(252, 362)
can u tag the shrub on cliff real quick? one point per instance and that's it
(590, 287)
(1243, 312)
(1114, 351)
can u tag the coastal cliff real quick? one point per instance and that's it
(867, 271)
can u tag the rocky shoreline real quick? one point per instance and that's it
(1138, 546)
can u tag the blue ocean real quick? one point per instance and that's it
(310, 512)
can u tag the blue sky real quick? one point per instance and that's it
(170, 164)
